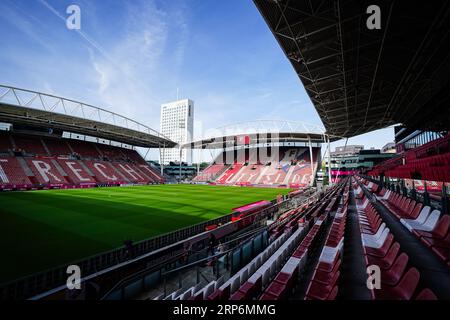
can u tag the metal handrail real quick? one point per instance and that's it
(123, 282)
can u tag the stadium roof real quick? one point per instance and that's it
(18, 106)
(259, 131)
(361, 80)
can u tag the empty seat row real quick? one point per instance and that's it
(285, 279)
(398, 280)
(323, 285)
(265, 263)
(260, 277)
(429, 225)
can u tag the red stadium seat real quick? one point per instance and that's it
(426, 294)
(392, 275)
(386, 261)
(404, 290)
(440, 230)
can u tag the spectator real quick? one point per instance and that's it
(128, 249)
(221, 248)
(212, 243)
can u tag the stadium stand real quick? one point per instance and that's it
(11, 173)
(230, 174)
(133, 155)
(308, 257)
(29, 144)
(57, 147)
(151, 172)
(105, 173)
(291, 167)
(85, 149)
(111, 153)
(430, 162)
(327, 247)
(132, 173)
(56, 163)
(210, 173)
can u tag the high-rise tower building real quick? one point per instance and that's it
(177, 123)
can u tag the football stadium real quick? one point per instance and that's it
(274, 214)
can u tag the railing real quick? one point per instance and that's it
(161, 273)
(51, 103)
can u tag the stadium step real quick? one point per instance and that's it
(26, 169)
(45, 146)
(354, 276)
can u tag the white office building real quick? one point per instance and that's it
(177, 123)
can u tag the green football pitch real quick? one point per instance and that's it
(43, 229)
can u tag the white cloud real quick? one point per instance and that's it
(129, 84)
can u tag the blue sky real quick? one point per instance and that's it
(131, 56)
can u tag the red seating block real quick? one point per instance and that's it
(11, 172)
(435, 242)
(57, 147)
(76, 173)
(5, 143)
(45, 171)
(30, 144)
(84, 149)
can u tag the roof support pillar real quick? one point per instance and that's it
(198, 161)
(311, 161)
(180, 163)
(329, 161)
(161, 158)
